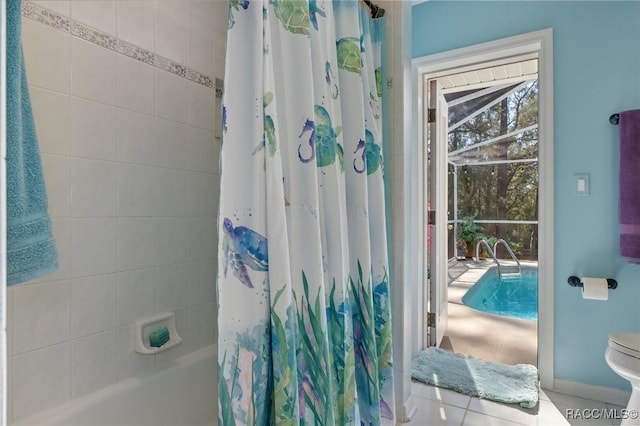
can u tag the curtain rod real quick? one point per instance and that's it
(376, 11)
(614, 119)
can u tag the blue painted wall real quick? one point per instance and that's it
(596, 73)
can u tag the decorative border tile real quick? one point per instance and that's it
(92, 35)
(45, 16)
(135, 52)
(170, 66)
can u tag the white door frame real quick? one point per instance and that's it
(539, 45)
(436, 258)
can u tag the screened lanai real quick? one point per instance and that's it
(493, 156)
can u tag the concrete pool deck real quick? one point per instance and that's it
(485, 336)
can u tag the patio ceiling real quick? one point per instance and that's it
(470, 93)
(498, 75)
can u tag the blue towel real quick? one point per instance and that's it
(31, 249)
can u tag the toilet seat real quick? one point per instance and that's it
(627, 343)
(623, 356)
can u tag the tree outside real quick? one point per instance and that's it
(497, 181)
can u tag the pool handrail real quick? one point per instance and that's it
(493, 255)
(511, 253)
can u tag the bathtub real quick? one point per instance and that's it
(184, 394)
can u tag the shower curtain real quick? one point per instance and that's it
(304, 312)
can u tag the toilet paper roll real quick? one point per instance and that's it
(595, 288)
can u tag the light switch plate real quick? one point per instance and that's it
(581, 181)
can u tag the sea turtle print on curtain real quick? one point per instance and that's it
(371, 155)
(323, 143)
(304, 312)
(243, 247)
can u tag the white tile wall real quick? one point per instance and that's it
(171, 282)
(41, 379)
(135, 295)
(47, 321)
(219, 49)
(131, 166)
(61, 6)
(48, 60)
(53, 125)
(170, 192)
(136, 86)
(100, 14)
(199, 106)
(136, 243)
(135, 22)
(93, 304)
(171, 29)
(93, 363)
(93, 188)
(62, 232)
(201, 36)
(93, 71)
(171, 149)
(200, 150)
(201, 241)
(93, 130)
(57, 171)
(136, 138)
(199, 291)
(200, 333)
(93, 246)
(171, 240)
(200, 198)
(171, 96)
(135, 190)
(131, 363)
(166, 359)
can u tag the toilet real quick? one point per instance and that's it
(623, 356)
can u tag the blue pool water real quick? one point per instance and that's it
(511, 297)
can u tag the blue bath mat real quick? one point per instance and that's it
(471, 376)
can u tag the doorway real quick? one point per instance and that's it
(430, 72)
(492, 204)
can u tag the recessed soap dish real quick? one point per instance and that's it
(144, 328)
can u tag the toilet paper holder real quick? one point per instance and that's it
(576, 282)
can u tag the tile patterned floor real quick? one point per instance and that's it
(444, 407)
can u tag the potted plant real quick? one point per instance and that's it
(469, 232)
(483, 250)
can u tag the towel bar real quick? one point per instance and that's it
(575, 282)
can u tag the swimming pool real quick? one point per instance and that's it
(511, 297)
